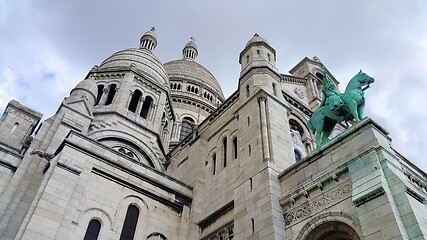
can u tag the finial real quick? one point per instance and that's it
(192, 39)
(153, 29)
(256, 35)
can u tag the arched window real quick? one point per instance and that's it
(93, 229)
(186, 127)
(146, 107)
(156, 236)
(134, 101)
(297, 156)
(268, 56)
(224, 147)
(111, 94)
(100, 91)
(257, 53)
(235, 147)
(13, 128)
(247, 91)
(247, 59)
(274, 89)
(129, 226)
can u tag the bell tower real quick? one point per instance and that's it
(257, 53)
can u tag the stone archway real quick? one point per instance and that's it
(333, 231)
(332, 226)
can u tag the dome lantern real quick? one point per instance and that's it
(190, 51)
(148, 40)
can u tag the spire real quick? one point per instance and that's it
(190, 50)
(148, 40)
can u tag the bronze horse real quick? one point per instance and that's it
(341, 107)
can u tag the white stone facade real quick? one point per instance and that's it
(145, 150)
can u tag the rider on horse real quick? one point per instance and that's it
(330, 97)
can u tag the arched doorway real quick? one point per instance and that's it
(333, 231)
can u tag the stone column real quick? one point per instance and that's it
(264, 135)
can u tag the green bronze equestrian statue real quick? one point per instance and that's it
(336, 108)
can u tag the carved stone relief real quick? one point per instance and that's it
(314, 205)
(299, 93)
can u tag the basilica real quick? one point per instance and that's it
(142, 149)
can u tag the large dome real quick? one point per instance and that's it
(190, 70)
(141, 59)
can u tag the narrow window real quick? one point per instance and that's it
(249, 150)
(100, 91)
(253, 225)
(247, 59)
(250, 184)
(186, 127)
(268, 56)
(297, 156)
(111, 94)
(274, 89)
(13, 128)
(93, 229)
(235, 147)
(224, 144)
(134, 100)
(129, 226)
(257, 53)
(249, 121)
(247, 91)
(214, 164)
(188, 88)
(146, 107)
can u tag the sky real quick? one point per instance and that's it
(47, 47)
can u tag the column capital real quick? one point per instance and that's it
(262, 98)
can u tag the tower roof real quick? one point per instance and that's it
(256, 38)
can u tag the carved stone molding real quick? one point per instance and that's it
(415, 195)
(368, 197)
(321, 202)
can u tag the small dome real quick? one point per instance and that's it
(141, 60)
(148, 40)
(191, 44)
(182, 69)
(190, 51)
(256, 38)
(87, 85)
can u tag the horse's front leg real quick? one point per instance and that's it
(360, 111)
(326, 136)
(318, 135)
(353, 109)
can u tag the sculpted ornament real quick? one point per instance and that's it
(336, 108)
(299, 93)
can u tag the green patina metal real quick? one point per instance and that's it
(336, 108)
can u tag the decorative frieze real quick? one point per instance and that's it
(368, 197)
(415, 195)
(321, 202)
